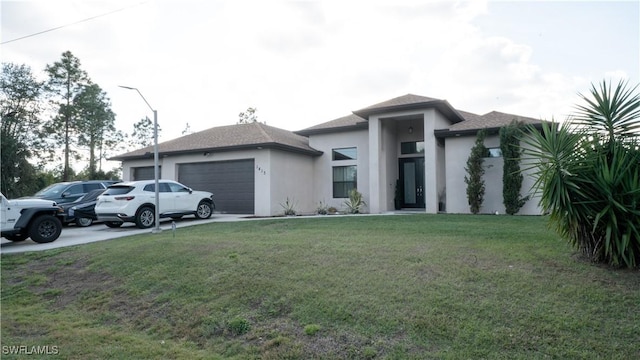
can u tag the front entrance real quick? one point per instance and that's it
(412, 180)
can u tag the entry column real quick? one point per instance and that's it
(430, 163)
(374, 164)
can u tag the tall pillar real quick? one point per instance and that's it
(430, 163)
(375, 136)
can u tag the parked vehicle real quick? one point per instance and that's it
(37, 219)
(66, 192)
(134, 202)
(85, 212)
(86, 203)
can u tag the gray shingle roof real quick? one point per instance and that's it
(253, 135)
(469, 116)
(493, 119)
(229, 137)
(462, 121)
(358, 119)
(348, 122)
(411, 102)
(409, 99)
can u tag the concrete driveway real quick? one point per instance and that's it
(75, 235)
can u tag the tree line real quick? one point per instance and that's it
(49, 125)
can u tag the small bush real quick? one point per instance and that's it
(238, 326)
(311, 329)
(289, 207)
(322, 209)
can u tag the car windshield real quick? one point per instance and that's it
(117, 190)
(50, 190)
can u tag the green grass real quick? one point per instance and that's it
(357, 287)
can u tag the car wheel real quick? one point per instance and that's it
(45, 229)
(145, 217)
(204, 210)
(84, 222)
(113, 224)
(16, 238)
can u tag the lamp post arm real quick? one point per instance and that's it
(156, 172)
(149, 105)
(139, 93)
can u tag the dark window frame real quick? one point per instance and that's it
(350, 153)
(342, 186)
(412, 147)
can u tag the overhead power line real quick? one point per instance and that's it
(70, 24)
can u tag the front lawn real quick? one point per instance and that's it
(357, 287)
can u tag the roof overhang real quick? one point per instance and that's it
(446, 133)
(441, 105)
(257, 146)
(359, 126)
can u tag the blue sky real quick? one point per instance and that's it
(301, 63)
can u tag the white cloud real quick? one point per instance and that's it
(299, 63)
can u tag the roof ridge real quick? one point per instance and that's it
(263, 131)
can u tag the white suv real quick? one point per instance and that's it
(134, 202)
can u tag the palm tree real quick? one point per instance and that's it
(588, 174)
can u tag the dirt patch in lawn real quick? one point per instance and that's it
(62, 279)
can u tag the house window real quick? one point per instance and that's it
(350, 153)
(494, 152)
(345, 178)
(412, 147)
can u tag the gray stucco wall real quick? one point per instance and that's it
(457, 150)
(323, 165)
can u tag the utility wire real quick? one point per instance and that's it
(70, 24)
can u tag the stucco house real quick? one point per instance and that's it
(418, 142)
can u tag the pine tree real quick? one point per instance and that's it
(66, 80)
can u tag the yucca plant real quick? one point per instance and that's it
(289, 207)
(588, 175)
(355, 203)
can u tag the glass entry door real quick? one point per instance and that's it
(412, 180)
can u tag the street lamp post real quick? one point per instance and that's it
(156, 229)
